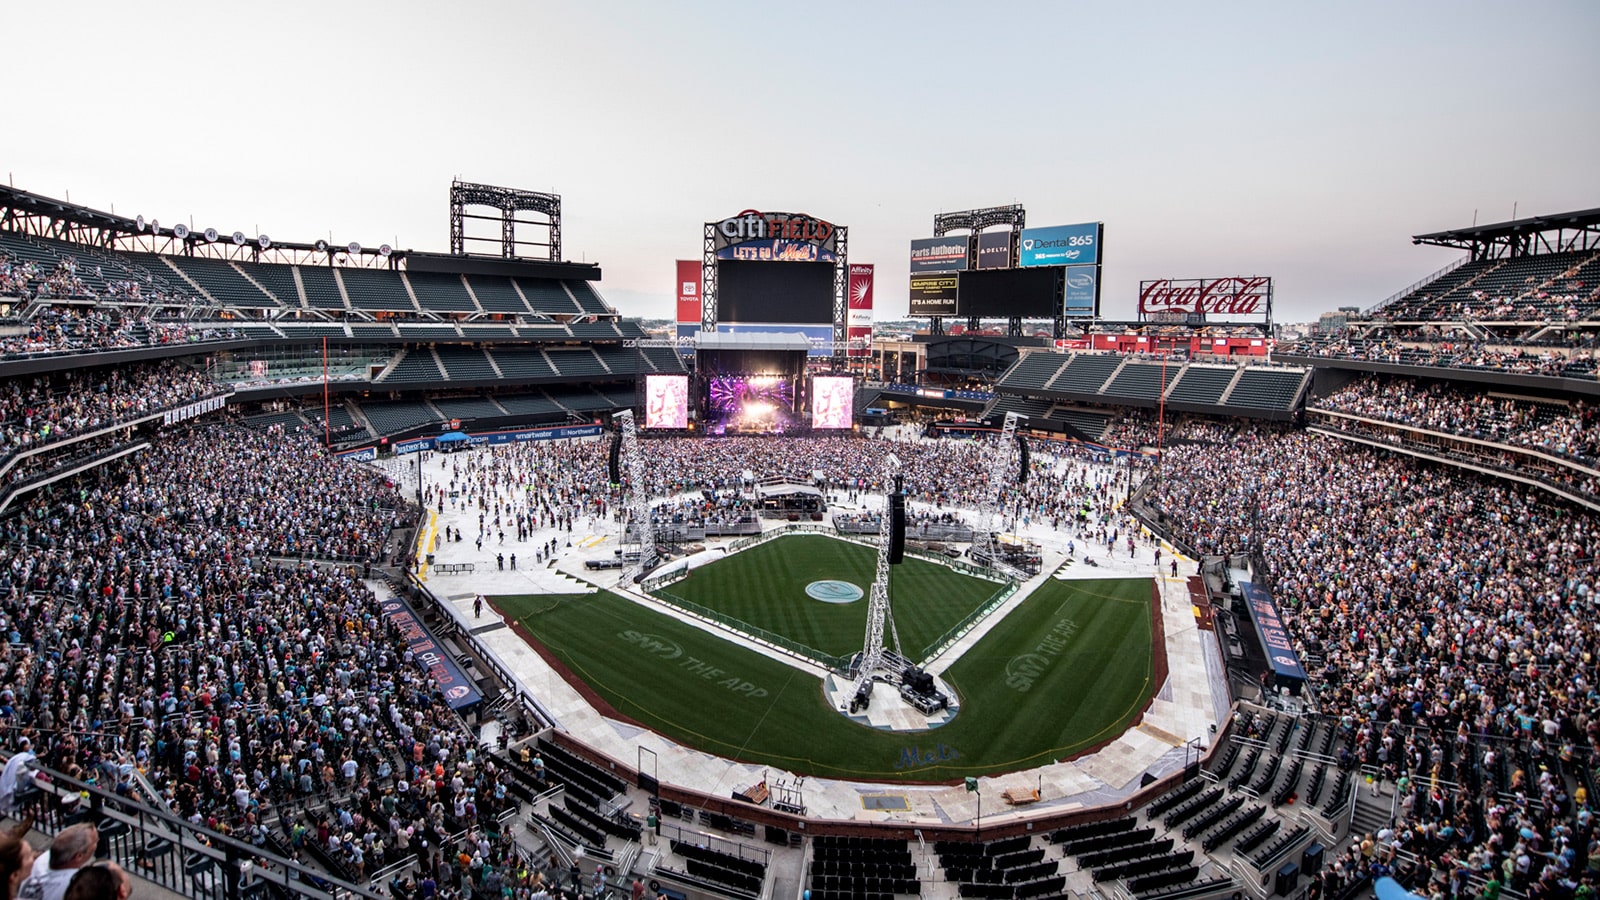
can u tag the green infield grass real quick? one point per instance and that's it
(765, 586)
(1068, 669)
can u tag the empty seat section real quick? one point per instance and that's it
(664, 359)
(1143, 381)
(547, 296)
(1033, 372)
(398, 416)
(480, 333)
(620, 396)
(496, 294)
(588, 300)
(311, 330)
(577, 362)
(1085, 373)
(416, 331)
(1089, 426)
(276, 278)
(378, 290)
(321, 291)
(622, 360)
(468, 408)
(466, 364)
(522, 363)
(1022, 406)
(257, 331)
(532, 406)
(594, 331)
(1202, 384)
(222, 281)
(1267, 388)
(582, 400)
(371, 332)
(441, 293)
(417, 366)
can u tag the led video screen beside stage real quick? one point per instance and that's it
(832, 399)
(666, 401)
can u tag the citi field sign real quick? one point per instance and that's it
(754, 225)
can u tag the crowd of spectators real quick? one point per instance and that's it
(65, 329)
(1450, 353)
(1447, 619)
(26, 278)
(154, 627)
(1557, 428)
(45, 408)
(517, 488)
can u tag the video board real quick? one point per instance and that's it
(832, 399)
(789, 292)
(666, 401)
(1004, 293)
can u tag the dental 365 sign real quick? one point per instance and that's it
(1060, 245)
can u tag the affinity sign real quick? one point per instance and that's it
(1060, 245)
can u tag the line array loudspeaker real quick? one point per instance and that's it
(897, 529)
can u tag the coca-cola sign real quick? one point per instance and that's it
(1216, 298)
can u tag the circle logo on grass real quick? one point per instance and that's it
(833, 591)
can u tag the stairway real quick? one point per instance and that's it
(1372, 813)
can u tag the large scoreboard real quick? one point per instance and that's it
(1028, 273)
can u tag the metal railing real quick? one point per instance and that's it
(170, 852)
(1447, 269)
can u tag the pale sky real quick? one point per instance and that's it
(1306, 142)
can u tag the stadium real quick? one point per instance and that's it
(271, 635)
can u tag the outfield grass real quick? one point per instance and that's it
(1068, 669)
(765, 586)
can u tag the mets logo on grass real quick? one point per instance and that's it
(833, 591)
(653, 644)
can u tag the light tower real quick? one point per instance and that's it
(876, 660)
(986, 548)
(638, 499)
